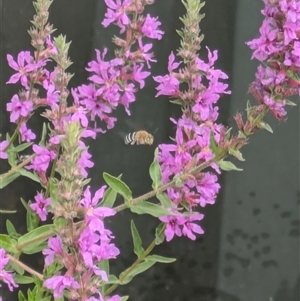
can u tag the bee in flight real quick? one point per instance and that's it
(139, 137)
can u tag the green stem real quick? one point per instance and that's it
(131, 268)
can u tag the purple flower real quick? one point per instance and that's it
(23, 66)
(40, 207)
(59, 283)
(84, 162)
(173, 225)
(139, 75)
(149, 28)
(52, 95)
(51, 47)
(41, 161)
(4, 275)
(117, 13)
(93, 215)
(189, 227)
(3, 145)
(55, 248)
(19, 108)
(208, 189)
(26, 134)
(144, 52)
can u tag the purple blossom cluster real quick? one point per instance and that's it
(115, 81)
(92, 244)
(6, 276)
(278, 48)
(192, 140)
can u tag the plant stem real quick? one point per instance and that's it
(131, 268)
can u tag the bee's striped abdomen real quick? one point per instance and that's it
(130, 138)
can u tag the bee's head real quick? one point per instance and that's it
(150, 139)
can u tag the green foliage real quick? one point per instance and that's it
(149, 208)
(159, 234)
(8, 180)
(118, 186)
(155, 172)
(8, 244)
(138, 269)
(34, 241)
(137, 241)
(161, 259)
(227, 166)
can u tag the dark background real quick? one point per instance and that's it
(250, 249)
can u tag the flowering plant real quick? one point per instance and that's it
(77, 246)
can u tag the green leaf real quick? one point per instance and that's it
(161, 259)
(112, 279)
(266, 127)
(23, 279)
(137, 241)
(16, 267)
(28, 174)
(8, 180)
(109, 198)
(164, 200)
(140, 268)
(22, 146)
(227, 165)
(159, 234)
(149, 208)
(236, 154)
(124, 298)
(44, 133)
(155, 172)
(8, 244)
(34, 240)
(60, 223)
(2, 211)
(11, 230)
(32, 220)
(178, 102)
(104, 265)
(119, 186)
(21, 296)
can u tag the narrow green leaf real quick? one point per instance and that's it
(8, 180)
(178, 102)
(124, 298)
(161, 259)
(28, 174)
(159, 234)
(11, 230)
(22, 147)
(32, 220)
(140, 268)
(104, 265)
(112, 279)
(21, 296)
(137, 241)
(266, 127)
(23, 279)
(164, 200)
(34, 239)
(155, 172)
(2, 211)
(119, 186)
(236, 154)
(109, 198)
(227, 165)
(44, 133)
(149, 208)
(8, 244)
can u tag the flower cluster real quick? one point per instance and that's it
(192, 141)
(92, 244)
(4, 275)
(115, 81)
(278, 48)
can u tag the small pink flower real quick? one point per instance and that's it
(40, 207)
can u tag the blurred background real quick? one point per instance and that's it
(250, 249)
